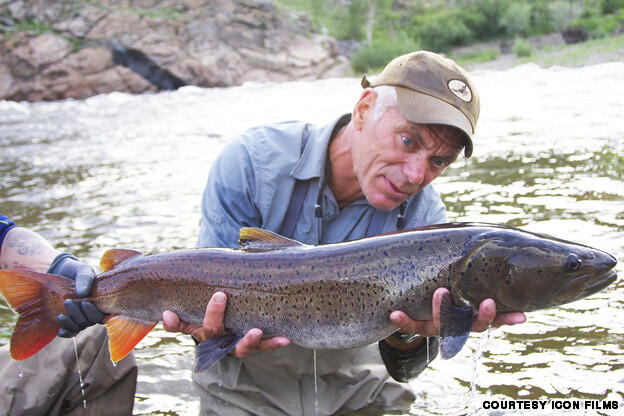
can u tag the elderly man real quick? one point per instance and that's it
(365, 173)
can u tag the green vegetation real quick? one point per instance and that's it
(388, 26)
(380, 52)
(470, 58)
(522, 48)
(578, 53)
(600, 26)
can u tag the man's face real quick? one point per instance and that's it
(395, 159)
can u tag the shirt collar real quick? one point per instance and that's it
(311, 163)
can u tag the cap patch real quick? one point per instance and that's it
(460, 89)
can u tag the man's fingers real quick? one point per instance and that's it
(487, 313)
(272, 343)
(92, 313)
(410, 326)
(253, 341)
(248, 343)
(171, 322)
(215, 311)
(512, 318)
(437, 300)
(84, 280)
(67, 323)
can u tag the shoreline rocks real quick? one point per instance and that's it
(55, 49)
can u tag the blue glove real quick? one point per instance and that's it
(80, 314)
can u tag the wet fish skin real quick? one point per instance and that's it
(339, 295)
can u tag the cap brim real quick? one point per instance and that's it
(425, 109)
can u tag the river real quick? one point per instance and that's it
(119, 170)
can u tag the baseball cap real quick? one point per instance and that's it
(432, 89)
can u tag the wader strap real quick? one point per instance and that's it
(377, 223)
(294, 208)
(296, 200)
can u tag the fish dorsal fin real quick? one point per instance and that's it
(124, 334)
(115, 256)
(254, 239)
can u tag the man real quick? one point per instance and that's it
(365, 173)
(48, 383)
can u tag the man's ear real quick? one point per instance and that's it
(363, 108)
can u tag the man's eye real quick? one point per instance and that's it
(439, 163)
(407, 141)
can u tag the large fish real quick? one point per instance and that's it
(326, 297)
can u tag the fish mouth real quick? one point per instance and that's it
(578, 288)
(603, 281)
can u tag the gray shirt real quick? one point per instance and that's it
(252, 181)
(251, 184)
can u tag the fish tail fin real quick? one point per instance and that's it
(38, 300)
(124, 334)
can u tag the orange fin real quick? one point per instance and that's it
(124, 334)
(115, 256)
(254, 239)
(38, 299)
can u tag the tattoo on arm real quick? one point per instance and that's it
(26, 244)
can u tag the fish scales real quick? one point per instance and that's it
(325, 297)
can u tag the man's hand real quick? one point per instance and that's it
(213, 327)
(80, 314)
(487, 317)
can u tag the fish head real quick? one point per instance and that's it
(525, 271)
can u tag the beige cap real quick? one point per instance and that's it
(432, 89)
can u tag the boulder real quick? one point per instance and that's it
(198, 42)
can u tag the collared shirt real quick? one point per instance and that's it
(252, 181)
(251, 184)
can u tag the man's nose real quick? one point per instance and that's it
(414, 169)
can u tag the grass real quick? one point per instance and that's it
(470, 58)
(586, 53)
(593, 51)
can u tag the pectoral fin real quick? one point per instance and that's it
(455, 326)
(124, 333)
(212, 350)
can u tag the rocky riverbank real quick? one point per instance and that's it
(55, 49)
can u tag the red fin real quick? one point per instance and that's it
(115, 256)
(124, 333)
(38, 299)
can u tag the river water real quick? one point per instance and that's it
(119, 170)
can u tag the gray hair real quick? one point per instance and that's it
(386, 97)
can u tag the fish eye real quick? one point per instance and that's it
(572, 262)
